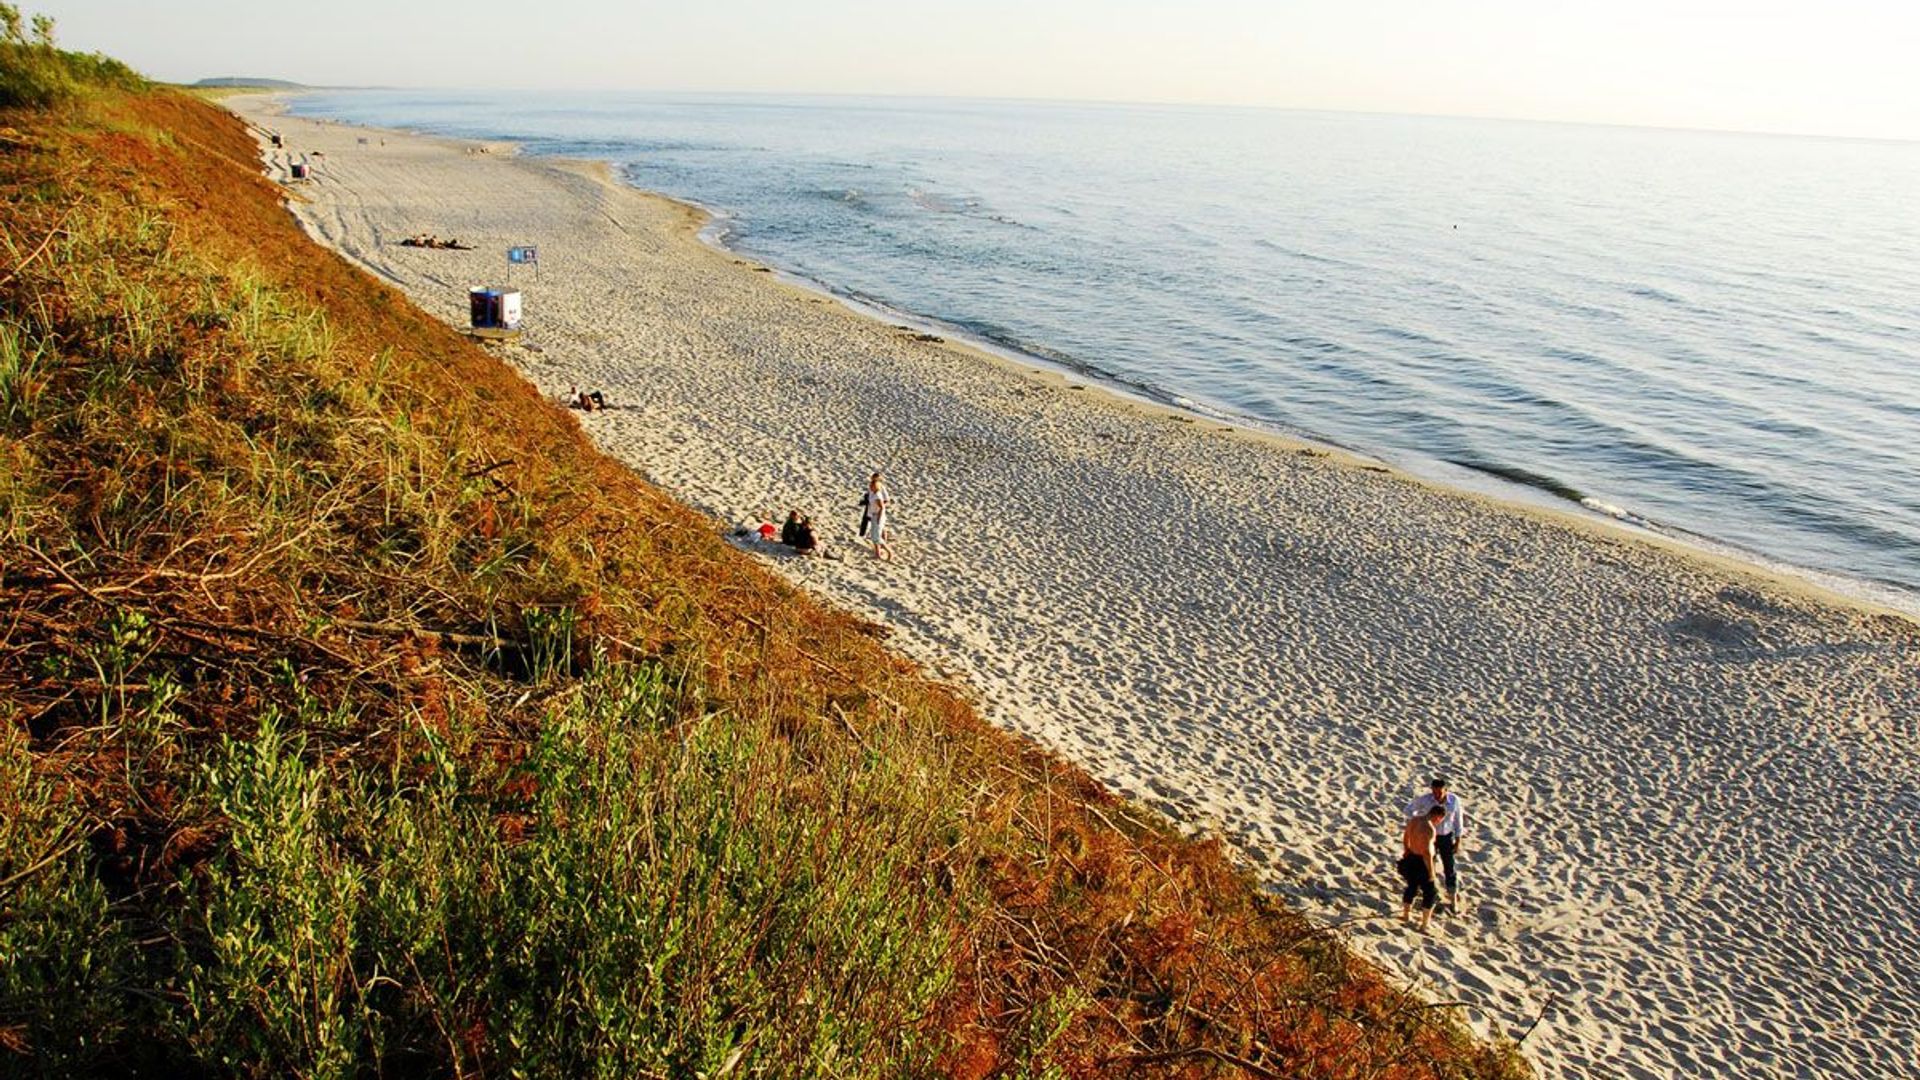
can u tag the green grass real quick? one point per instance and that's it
(653, 908)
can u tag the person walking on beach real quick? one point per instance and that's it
(1416, 865)
(866, 507)
(873, 516)
(1446, 842)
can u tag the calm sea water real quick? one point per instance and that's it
(1716, 335)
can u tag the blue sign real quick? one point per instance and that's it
(523, 255)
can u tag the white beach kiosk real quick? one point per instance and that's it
(495, 313)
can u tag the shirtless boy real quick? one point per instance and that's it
(1416, 864)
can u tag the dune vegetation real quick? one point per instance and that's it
(36, 72)
(359, 718)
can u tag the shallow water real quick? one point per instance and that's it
(1712, 334)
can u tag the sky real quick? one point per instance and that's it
(1822, 67)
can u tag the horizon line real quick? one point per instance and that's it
(1109, 102)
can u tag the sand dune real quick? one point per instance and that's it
(1695, 788)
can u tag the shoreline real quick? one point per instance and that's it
(1266, 640)
(1446, 477)
(1486, 482)
(1489, 481)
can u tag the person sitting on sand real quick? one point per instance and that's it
(1416, 865)
(790, 531)
(807, 542)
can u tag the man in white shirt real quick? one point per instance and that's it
(1448, 834)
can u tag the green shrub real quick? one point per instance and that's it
(270, 980)
(670, 906)
(35, 73)
(61, 955)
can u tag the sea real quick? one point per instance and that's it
(1708, 335)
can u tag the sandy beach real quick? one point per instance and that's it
(1693, 787)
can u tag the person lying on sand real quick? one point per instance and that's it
(1416, 865)
(428, 240)
(589, 401)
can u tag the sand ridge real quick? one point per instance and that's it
(1695, 790)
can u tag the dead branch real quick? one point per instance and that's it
(1552, 996)
(1221, 1056)
(478, 473)
(447, 637)
(43, 862)
(59, 229)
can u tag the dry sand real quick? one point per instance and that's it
(1692, 786)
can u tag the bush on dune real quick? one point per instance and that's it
(35, 73)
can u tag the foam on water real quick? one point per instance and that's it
(1709, 335)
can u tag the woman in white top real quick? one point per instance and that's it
(876, 503)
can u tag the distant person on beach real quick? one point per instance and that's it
(1446, 842)
(1416, 865)
(790, 530)
(866, 507)
(873, 516)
